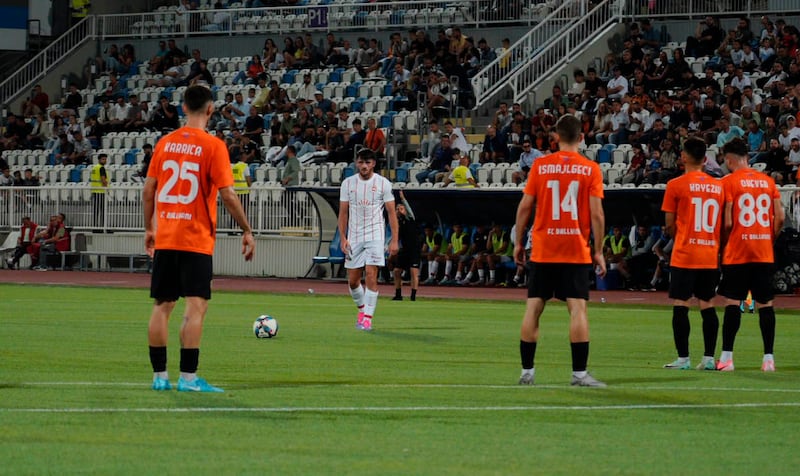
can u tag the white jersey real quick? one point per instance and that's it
(366, 200)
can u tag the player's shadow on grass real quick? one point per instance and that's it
(408, 336)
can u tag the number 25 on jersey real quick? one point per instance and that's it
(179, 174)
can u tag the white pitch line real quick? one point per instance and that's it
(404, 409)
(422, 386)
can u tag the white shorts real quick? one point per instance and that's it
(366, 253)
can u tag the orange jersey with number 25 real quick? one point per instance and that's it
(190, 166)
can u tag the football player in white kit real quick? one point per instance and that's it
(362, 200)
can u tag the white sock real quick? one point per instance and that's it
(469, 276)
(768, 357)
(370, 301)
(458, 276)
(527, 372)
(481, 274)
(448, 268)
(189, 377)
(579, 374)
(683, 360)
(358, 296)
(433, 268)
(726, 356)
(164, 375)
(491, 275)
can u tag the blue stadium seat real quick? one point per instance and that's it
(335, 255)
(603, 156)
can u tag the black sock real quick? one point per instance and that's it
(398, 292)
(681, 329)
(527, 351)
(730, 326)
(158, 358)
(189, 360)
(766, 320)
(413, 294)
(580, 355)
(710, 330)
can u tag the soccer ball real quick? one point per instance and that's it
(265, 327)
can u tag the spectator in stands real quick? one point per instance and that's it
(74, 100)
(62, 152)
(663, 251)
(495, 147)
(6, 180)
(438, 92)
(526, 159)
(461, 176)
(81, 151)
(251, 153)
(617, 86)
(148, 154)
(793, 160)
(400, 79)
(430, 140)
(638, 118)
(93, 131)
(347, 152)
(514, 139)
(727, 132)
(636, 167)
(457, 139)
(165, 116)
(291, 172)
(30, 180)
(237, 111)
(38, 102)
(375, 139)
(601, 128)
(707, 38)
(254, 126)
(156, 65)
(171, 77)
(441, 157)
(39, 132)
(201, 76)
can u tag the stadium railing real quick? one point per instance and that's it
(700, 8)
(271, 209)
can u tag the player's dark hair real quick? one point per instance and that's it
(196, 98)
(695, 149)
(366, 154)
(568, 129)
(735, 146)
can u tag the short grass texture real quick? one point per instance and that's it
(431, 391)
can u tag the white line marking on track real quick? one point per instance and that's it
(404, 409)
(420, 385)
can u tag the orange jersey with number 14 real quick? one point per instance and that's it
(190, 166)
(752, 195)
(561, 184)
(696, 199)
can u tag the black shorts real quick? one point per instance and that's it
(179, 274)
(559, 280)
(700, 283)
(407, 259)
(737, 279)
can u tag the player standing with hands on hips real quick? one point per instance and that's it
(362, 200)
(188, 168)
(693, 216)
(566, 191)
(753, 218)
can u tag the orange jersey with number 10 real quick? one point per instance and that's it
(696, 199)
(752, 195)
(561, 184)
(190, 166)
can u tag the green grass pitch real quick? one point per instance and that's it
(431, 391)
